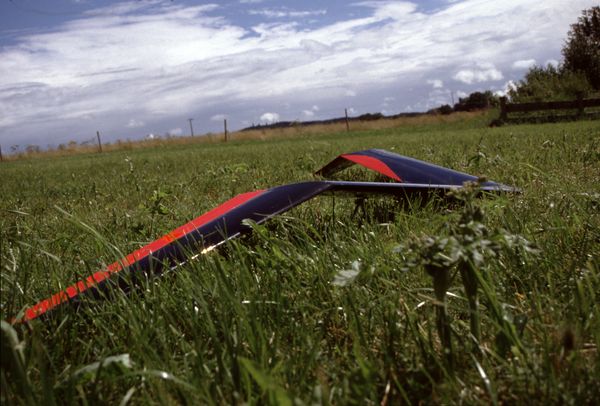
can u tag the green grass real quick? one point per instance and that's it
(273, 317)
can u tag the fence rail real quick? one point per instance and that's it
(580, 105)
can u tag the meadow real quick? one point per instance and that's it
(321, 305)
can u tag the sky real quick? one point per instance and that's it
(128, 69)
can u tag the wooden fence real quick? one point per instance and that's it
(580, 105)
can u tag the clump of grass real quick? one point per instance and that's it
(465, 246)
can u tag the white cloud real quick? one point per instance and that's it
(309, 113)
(175, 131)
(133, 123)
(269, 118)
(552, 62)
(284, 12)
(251, 1)
(523, 64)
(387, 9)
(387, 101)
(483, 72)
(350, 93)
(436, 83)
(465, 76)
(315, 47)
(510, 85)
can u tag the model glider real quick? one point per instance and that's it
(204, 233)
(406, 170)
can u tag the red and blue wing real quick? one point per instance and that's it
(227, 220)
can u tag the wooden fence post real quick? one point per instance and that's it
(580, 106)
(347, 123)
(225, 126)
(99, 142)
(503, 113)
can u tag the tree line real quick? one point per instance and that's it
(577, 75)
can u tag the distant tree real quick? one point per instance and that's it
(370, 116)
(445, 109)
(582, 49)
(30, 149)
(550, 83)
(476, 101)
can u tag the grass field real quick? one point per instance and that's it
(316, 306)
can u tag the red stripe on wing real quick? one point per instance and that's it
(92, 280)
(372, 163)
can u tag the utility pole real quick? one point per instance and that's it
(191, 127)
(1, 159)
(225, 125)
(99, 143)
